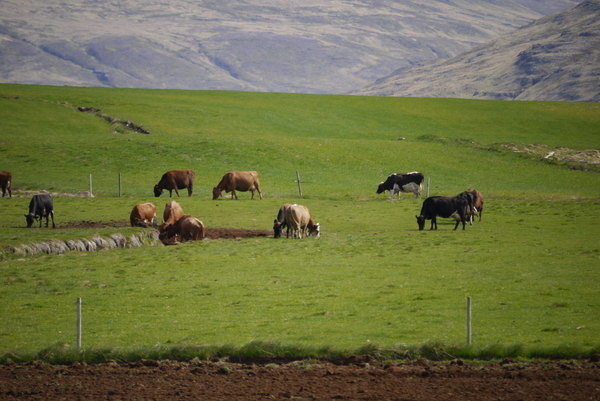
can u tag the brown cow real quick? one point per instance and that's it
(300, 222)
(187, 228)
(174, 180)
(172, 213)
(5, 183)
(477, 201)
(143, 215)
(238, 181)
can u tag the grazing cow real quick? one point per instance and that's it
(396, 183)
(143, 215)
(477, 201)
(187, 228)
(456, 207)
(299, 221)
(172, 213)
(238, 181)
(5, 183)
(174, 180)
(279, 223)
(40, 206)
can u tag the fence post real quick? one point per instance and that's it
(428, 182)
(119, 185)
(299, 185)
(468, 320)
(91, 192)
(79, 322)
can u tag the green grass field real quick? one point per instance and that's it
(531, 266)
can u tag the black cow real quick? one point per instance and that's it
(396, 183)
(40, 206)
(456, 207)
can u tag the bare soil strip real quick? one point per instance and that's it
(422, 380)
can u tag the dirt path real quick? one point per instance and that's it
(152, 380)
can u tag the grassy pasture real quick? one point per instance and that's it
(531, 266)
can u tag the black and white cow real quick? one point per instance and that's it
(456, 207)
(396, 183)
(40, 206)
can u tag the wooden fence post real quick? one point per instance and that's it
(119, 185)
(79, 322)
(91, 192)
(468, 320)
(299, 185)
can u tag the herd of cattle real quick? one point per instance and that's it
(295, 219)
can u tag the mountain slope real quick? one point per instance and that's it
(555, 58)
(272, 45)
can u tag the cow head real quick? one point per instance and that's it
(30, 219)
(157, 191)
(216, 193)
(315, 230)
(277, 229)
(381, 187)
(421, 222)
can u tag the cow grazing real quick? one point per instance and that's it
(143, 215)
(456, 207)
(477, 201)
(174, 180)
(6, 183)
(238, 181)
(171, 214)
(299, 222)
(187, 228)
(396, 183)
(279, 223)
(40, 206)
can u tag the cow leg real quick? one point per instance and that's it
(51, 215)
(170, 193)
(251, 194)
(480, 213)
(177, 192)
(433, 223)
(233, 194)
(190, 190)
(259, 192)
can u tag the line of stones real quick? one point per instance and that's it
(96, 243)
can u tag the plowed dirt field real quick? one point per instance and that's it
(421, 380)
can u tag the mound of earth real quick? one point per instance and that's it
(94, 224)
(421, 380)
(232, 233)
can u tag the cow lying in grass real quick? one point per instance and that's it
(143, 215)
(187, 228)
(456, 207)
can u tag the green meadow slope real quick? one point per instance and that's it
(531, 265)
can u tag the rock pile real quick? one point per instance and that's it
(96, 243)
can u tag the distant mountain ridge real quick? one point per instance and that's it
(554, 58)
(270, 45)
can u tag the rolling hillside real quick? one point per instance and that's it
(252, 45)
(555, 58)
(372, 278)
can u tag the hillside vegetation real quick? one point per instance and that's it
(531, 264)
